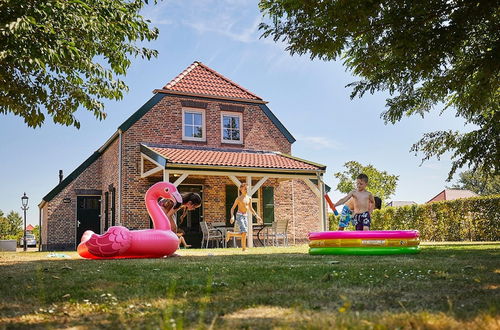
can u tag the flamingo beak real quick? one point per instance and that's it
(177, 199)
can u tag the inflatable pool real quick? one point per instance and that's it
(365, 251)
(374, 242)
(367, 234)
(364, 242)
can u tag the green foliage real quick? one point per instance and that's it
(58, 55)
(426, 54)
(479, 182)
(474, 219)
(380, 183)
(11, 225)
(36, 232)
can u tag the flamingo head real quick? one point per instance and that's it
(166, 190)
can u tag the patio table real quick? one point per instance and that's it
(259, 228)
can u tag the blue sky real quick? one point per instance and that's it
(309, 97)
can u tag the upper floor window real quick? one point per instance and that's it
(193, 124)
(232, 131)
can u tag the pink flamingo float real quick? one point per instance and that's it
(119, 242)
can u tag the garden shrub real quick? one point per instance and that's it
(471, 219)
(474, 219)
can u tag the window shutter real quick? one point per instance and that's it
(268, 201)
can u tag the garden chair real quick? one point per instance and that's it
(278, 231)
(210, 234)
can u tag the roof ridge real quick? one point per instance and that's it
(181, 75)
(177, 84)
(227, 79)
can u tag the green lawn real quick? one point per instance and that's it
(445, 286)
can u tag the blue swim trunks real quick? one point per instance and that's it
(345, 217)
(242, 221)
(362, 220)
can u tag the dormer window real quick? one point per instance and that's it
(193, 124)
(231, 124)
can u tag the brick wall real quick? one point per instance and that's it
(163, 124)
(61, 223)
(296, 203)
(109, 179)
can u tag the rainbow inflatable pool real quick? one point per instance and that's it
(382, 242)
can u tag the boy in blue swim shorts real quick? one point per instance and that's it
(345, 215)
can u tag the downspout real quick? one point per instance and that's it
(323, 205)
(40, 227)
(119, 177)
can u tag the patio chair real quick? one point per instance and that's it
(278, 232)
(210, 234)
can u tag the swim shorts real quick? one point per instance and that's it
(345, 217)
(242, 221)
(361, 220)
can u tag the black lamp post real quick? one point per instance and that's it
(25, 207)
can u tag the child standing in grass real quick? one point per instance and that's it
(363, 203)
(243, 203)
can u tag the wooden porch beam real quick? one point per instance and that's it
(180, 179)
(235, 180)
(313, 187)
(150, 172)
(257, 185)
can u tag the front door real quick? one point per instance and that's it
(191, 223)
(88, 215)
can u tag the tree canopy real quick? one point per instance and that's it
(56, 56)
(479, 182)
(380, 183)
(10, 225)
(427, 54)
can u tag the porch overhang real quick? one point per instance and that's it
(184, 161)
(277, 165)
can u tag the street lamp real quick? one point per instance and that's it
(25, 207)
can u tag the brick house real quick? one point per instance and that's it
(205, 134)
(451, 194)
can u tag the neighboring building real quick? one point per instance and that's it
(400, 203)
(205, 134)
(29, 228)
(451, 194)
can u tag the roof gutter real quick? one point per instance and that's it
(172, 166)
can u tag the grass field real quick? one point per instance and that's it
(445, 286)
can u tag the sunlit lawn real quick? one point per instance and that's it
(446, 286)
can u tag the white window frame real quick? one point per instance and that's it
(203, 124)
(231, 114)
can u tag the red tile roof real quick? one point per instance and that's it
(200, 79)
(232, 158)
(452, 194)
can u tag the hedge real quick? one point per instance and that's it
(468, 219)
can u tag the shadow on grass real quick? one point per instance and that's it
(204, 287)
